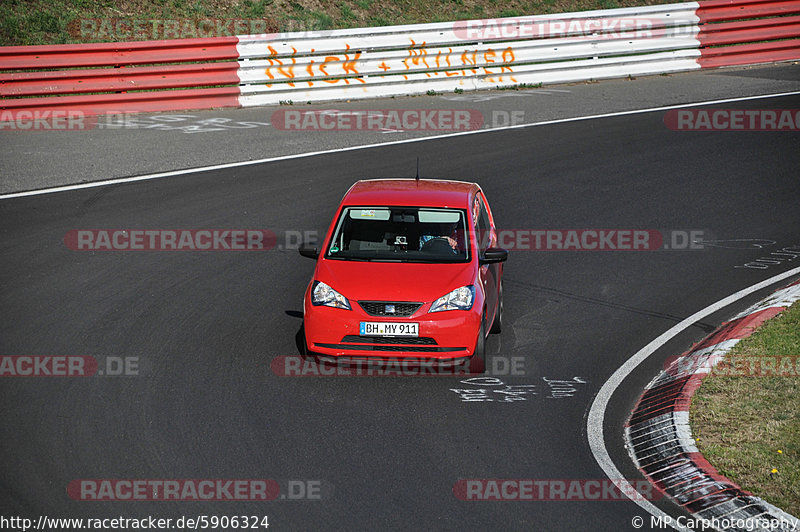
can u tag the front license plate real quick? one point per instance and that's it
(380, 328)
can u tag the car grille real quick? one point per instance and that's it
(404, 348)
(354, 339)
(378, 308)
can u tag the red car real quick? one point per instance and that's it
(408, 270)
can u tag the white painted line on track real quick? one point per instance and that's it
(597, 412)
(224, 166)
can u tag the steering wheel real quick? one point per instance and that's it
(438, 245)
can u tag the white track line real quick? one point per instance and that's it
(377, 145)
(596, 418)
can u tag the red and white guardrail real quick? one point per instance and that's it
(155, 76)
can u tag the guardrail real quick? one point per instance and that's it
(396, 60)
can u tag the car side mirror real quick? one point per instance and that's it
(311, 253)
(494, 255)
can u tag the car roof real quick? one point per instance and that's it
(411, 192)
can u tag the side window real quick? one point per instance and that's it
(482, 226)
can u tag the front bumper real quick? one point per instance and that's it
(447, 337)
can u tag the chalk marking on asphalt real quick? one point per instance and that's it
(596, 417)
(172, 173)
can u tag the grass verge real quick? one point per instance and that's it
(748, 427)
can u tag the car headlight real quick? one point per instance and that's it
(458, 299)
(322, 294)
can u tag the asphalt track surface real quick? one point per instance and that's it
(386, 451)
(150, 143)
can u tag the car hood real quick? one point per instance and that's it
(393, 281)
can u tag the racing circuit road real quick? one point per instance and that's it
(386, 452)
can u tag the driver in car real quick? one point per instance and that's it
(446, 232)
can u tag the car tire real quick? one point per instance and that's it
(497, 325)
(478, 361)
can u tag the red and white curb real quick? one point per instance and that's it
(659, 439)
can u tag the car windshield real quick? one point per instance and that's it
(401, 234)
